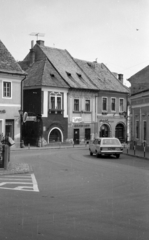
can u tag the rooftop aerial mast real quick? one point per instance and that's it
(37, 34)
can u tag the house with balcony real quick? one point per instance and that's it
(67, 99)
(11, 77)
(53, 82)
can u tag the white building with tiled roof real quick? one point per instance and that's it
(11, 76)
(75, 100)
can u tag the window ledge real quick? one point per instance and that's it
(85, 112)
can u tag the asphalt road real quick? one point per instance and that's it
(80, 197)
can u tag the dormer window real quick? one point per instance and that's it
(52, 75)
(68, 74)
(79, 75)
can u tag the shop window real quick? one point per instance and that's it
(87, 105)
(76, 105)
(113, 101)
(104, 104)
(121, 105)
(9, 128)
(137, 129)
(7, 90)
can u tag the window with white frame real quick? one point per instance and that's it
(87, 105)
(144, 130)
(121, 104)
(113, 104)
(137, 129)
(7, 90)
(76, 105)
(55, 101)
(104, 104)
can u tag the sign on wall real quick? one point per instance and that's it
(77, 119)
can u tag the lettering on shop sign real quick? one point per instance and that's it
(79, 125)
(31, 118)
(105, 121)
(3, 111)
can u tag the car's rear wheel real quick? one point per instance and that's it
(117, 155)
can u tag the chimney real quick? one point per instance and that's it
(32, 56)
(40, 42)
(120, 78)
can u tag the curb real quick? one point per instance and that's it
(46, 148)
(136, 156)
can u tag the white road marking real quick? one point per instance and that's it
(20, 180)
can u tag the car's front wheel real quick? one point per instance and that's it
(117, 155)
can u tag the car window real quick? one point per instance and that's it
(111, 142)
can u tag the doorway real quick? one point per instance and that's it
(55, 136)
(76, 136)
(87, 134)
(120, 132)
(9, 128)
(104, 131)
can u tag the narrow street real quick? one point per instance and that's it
(80, 197)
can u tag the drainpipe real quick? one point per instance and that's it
(21, 114)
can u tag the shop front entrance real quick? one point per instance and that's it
(55, 136)
(76, 136)
(104, 131)
(120, 132)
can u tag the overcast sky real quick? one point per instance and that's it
(116, 32)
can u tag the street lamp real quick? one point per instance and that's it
(21, 141)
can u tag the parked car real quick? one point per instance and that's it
(106, 147)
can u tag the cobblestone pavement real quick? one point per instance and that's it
(16, 169)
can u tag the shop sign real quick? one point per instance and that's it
(81, 125)
(105, 121)
(31, 118)
(3, 111)
(77, 119)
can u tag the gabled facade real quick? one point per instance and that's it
(70, 99)
(11, 76)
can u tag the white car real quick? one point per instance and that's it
(106, 146)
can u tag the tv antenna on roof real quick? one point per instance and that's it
(37, 34)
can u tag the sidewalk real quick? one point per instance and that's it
(136, 153)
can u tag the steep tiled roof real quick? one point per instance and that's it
(141, 76)
(7, 62)
(68, 69)
(41, 73)
(101, 76)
